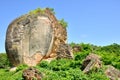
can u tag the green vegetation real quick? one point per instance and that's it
(41, 10)
(38, 10)
(4, 62)
(69, 69)
(63, 23)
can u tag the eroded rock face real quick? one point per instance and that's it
(32, 74)
(91, 61)
(112, 73)
(64, 51)
(33, 37)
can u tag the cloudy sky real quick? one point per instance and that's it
(89, 21)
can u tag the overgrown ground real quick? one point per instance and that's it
(66, 69)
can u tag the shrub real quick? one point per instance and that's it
(38, 10)
(4, 62)
(21, 67)
(60, 64)
(75, 64)
(81, 55)
(43, 64)
(97, 74)
(63, 23)
(41, 10)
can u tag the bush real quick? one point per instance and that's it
(75, 64)
(60, 64)
(97, 74)
(4, 62)
(63, 23)
(21, 67)
(38, 10)
(41, 10)
(81, 55)
(71, 74)
(43, 64)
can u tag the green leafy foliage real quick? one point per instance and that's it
(63, 23)
(99, 74)
(11, 75)
(4, 62)
(43, 64)
(70, 69)
(38, 10)
(41, 10)
(21, 67)
(113, 48)
(110, 54)
(62, 69)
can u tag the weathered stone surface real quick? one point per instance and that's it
(33, 37)
(32, 74)
(112, 73)
(76, 48)
(64, 51)
(91, 61)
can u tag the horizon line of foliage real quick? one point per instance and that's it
(110, 54)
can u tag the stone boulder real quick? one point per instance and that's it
(64, 51)
(112, 73)
(32, 74)
(76, 48)
(33, 37)
(91, 61)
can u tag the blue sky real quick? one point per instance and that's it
(89, 21)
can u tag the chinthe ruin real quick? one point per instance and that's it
(36, 36)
